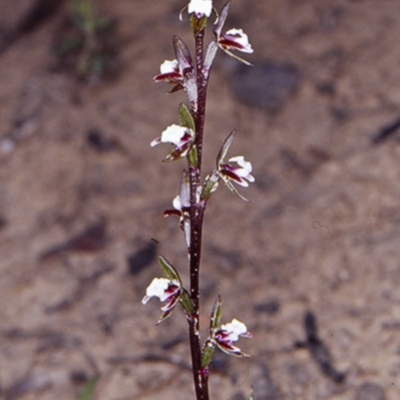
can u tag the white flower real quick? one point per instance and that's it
(180, 136)
(235, 39)
(229, 333)
(200, 7)
(170, 73)
(159, 287)
(240, 173)
(173, 134)
(166, 290)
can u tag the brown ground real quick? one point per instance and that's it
(321, 234)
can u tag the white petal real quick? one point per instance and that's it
(169, 66)
(157, 288)
(200, 7)
(235, 328)
(173, 134)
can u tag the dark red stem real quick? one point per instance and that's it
(197, 209)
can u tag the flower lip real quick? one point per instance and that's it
(200, 8)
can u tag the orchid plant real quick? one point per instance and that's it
(192, 76)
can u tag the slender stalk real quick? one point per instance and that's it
(187, 139)
(196, 225)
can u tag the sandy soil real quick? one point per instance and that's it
(311, 264)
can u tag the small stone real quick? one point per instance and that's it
(370, 391)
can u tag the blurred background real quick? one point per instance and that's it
(311, 264)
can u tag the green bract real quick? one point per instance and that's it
(169, 270)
